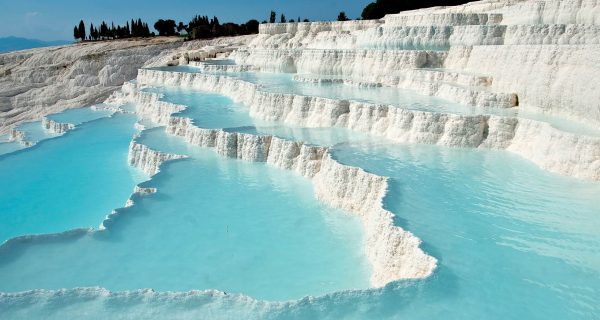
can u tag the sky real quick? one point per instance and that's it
(55, 19)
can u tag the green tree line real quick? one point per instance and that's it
(379, 8)
(137, 28)
(201, 27)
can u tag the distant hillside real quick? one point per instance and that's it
(15, 43)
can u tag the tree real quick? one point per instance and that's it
(181, 27)
(81, 30)
(282, 19)
(379, 8)
(165, 27)
(272, 17)
(76, 32)
(305, 20)
(342, 16)
(103, 31)
(94, 33)
(252, 26)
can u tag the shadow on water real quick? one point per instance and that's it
(14, 248)
(395, 188)
(389, 302)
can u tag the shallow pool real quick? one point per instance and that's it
(512, 241)
(215, 223)
(67, 182)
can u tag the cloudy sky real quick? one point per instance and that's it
(54, 19)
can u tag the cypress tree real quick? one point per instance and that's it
(272, 17)
(76, 32)
(81, 30)
(282, 19)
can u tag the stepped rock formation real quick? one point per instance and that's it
(530, 57)
(538, 55)
(534, 57)
(38, 82)
(393, 252)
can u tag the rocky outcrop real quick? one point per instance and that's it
(38, 82)
(148, 160)
(56, 127)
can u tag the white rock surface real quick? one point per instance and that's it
(537, 54)
(148, 160)
(393, 252)
(550, 148)
(56, 127)
(38, 82)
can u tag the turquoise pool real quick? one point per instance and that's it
(224, 238)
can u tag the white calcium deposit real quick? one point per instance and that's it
(148, 160)
(393, 252)
(550, 148)
(530, 56)
(56, 127)
(38, 82)
(539, 55)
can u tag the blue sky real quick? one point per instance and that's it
(54, 19)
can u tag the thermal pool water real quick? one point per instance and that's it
(228, 238)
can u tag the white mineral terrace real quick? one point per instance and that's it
(554, 150)
(393, 252)
(530, 57)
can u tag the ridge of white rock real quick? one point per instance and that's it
(148, 160)
(393, 252)
(550, 148)
(198, 50)
(363, 63)
(9, 243)
(19, 136)
(56, 127)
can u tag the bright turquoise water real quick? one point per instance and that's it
(67, 182)
(79, 115)
(513, 241)
(408, 99)
(284, 83)
(8, 147)
(206, 109)
(214, 224)
(217, 111)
